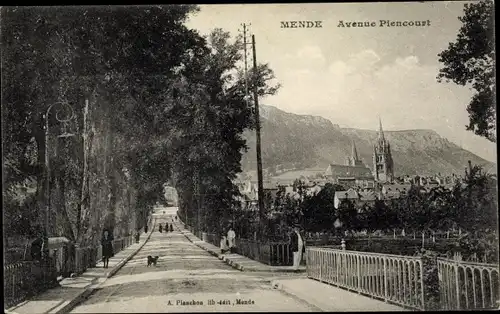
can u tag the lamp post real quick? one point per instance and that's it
(65, 134)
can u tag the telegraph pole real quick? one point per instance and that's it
(260, 191)
(246, 62)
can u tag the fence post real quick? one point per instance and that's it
(422, 283)
(358, 281)
(386, 294)
(307, 261)
(457, 287)
(321, 267)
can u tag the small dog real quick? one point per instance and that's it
(152, 260)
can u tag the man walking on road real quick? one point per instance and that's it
(297, 247)
(231, 238)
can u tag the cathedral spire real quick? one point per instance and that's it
(381, 131)
(354, 153)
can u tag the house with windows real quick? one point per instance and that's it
(358, 198)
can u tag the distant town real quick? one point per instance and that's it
(363, 184)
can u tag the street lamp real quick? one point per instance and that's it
(64, 120)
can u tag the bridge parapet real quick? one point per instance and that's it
(408, 280)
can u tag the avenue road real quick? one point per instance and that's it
(185, 279)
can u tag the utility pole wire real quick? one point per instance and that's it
(246, 62)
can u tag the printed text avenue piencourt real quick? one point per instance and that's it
(209, 302)
(383, 23)
(356, 24)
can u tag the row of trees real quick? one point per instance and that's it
(164, 105)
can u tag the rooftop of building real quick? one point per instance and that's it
(350, 171)
(297, 174)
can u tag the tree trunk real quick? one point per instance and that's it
(67, 225)
(83, 207)
(39, 135)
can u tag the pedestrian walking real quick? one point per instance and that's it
(160, 228)
(223, 244)
(297, 246)
(107, 247)
(171, 228)
(231, 239)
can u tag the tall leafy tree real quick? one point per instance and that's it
(470, 60)
(319, 210)
(119, 57)
(210, 142)
(480, 211)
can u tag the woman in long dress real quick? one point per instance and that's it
(107, 247)
(223, 244)
(231, 239)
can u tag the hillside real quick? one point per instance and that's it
(309, 141)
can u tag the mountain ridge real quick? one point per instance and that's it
(317, 142)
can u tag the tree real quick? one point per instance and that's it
(347, 214)
(479, 215)
(166, 104)
(118, 58)
(375, 216)
(470, 60)
(210, 117)
(319, 210)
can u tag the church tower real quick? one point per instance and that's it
(354, 160)
(383, 166)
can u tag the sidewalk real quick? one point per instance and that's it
(237, 261)
(72, 290)
(332, 299)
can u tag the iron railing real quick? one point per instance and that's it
(15, 276)
(26, 278)
(211, 238)
(89, 257)
(467, 285)
(271, 253)
(393, 278)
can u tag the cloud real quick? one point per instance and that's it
(311, 52)
(308, 57)
(364, 60)
(353, 92)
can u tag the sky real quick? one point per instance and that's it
(353, 76)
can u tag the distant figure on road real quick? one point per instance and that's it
(223, 244)
(171, 228)
(231, 238)
(107, 247)
(146, 228)
(160, 228)
(297, 246)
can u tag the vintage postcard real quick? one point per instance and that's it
(249, 157)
